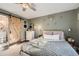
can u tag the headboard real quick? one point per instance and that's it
(61, 33)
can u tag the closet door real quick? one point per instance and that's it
(15, 29)
(3, 28)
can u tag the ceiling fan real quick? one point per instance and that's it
(27, 5)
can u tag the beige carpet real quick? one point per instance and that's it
(11, 51)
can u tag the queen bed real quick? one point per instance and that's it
(52, 43)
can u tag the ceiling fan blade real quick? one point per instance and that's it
(31, 6)
(27, 5)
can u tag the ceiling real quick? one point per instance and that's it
(42, 9)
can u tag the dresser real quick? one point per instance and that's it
(30, 35)
(2, 37)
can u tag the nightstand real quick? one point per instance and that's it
(77, 49)
(71, 41)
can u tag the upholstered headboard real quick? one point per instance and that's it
(61, 33)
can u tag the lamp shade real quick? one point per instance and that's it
(69, 29)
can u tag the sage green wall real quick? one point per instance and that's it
(60, 21)
(78, 25)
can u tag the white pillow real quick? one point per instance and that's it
(40, 42)
(46, 36)
(55, 37)
(29, 48)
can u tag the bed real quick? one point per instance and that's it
(49, 45)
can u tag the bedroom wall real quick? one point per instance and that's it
(60, 21)
(78, 26)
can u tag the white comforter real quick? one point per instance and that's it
(41, 47)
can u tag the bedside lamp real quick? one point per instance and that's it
(70, 39)
(69, 29)
(69, 32)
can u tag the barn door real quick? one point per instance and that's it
(15, 29)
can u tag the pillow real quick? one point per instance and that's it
(40, 42)
(29, 48)
(52, 37)
(46, 36)
(61, 33)
(56, 37)
(48, 33)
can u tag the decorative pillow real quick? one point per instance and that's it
(40, 42)
(46, 36)
(55, 37)
(60, 33)
(49, 33)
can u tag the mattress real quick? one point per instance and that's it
(51, 48)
